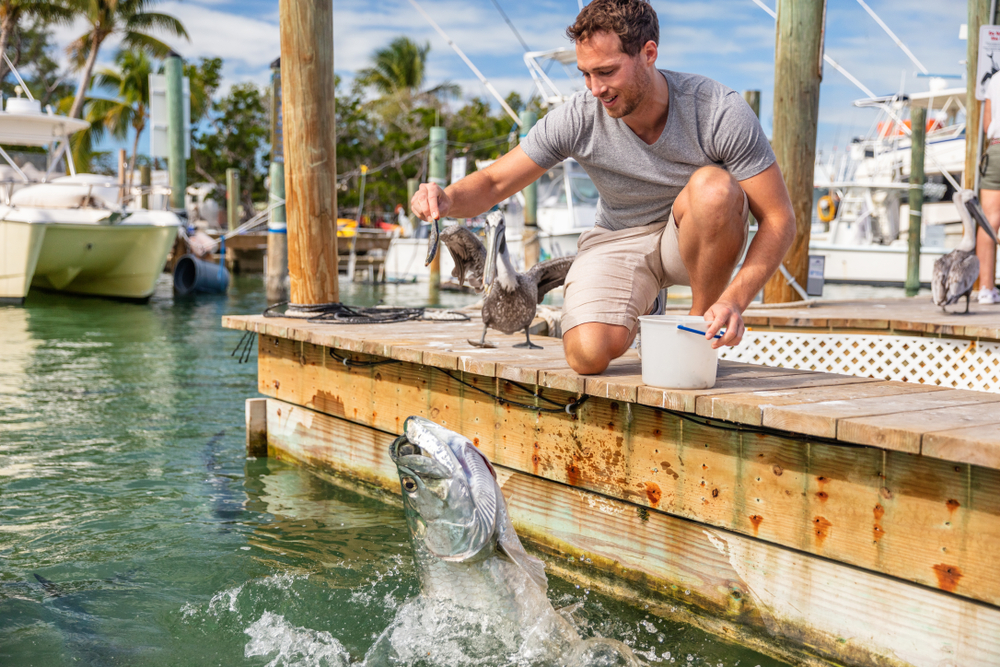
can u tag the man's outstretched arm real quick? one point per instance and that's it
(478, 191)
(771, 206)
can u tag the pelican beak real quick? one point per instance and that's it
(976, 210)
(432, 241)
(492, 249)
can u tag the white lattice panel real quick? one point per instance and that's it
(947, 362)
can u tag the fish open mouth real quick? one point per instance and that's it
(401, 447)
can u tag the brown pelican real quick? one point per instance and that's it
(511, 297)
(955, 273)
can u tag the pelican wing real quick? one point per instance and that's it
(550, 274)
(963, 273)
(468, 253)
(939, 279)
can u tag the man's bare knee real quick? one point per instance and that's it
(590, 347)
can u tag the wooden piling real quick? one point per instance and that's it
(277, 239)
(145, 180)
(753, 99)
(531, 251)
(979, 15)
(232, 199)
(918, 122)
(310, 149)
(436, 174)
(798, 71)
(256, 421)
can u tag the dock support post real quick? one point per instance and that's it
(531, 250)
(145, 180)
(232, 199)
(277, 238)
(979, 15)
(798, 62)
(173, 69)
(256, 418)
(918, 122)
(436, 174)
(753, 99)
(309, 127)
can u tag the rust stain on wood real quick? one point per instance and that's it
(947, 576)
(952, 505)
(653, 493)
(755, 521)
(821, 527)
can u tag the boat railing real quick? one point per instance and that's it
(135, 192)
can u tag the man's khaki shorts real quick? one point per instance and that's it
(617, 274)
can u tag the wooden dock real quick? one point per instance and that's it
(909, 317)
(824, 518)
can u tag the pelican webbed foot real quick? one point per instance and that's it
(481, 342)
(528, 344)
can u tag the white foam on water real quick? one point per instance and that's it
(301, 647)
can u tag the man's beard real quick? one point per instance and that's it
(632, 96)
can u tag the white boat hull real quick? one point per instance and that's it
(873, 265)
(120, 260)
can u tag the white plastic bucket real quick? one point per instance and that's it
(673, 358)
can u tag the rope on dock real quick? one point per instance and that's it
(340, 313)
(569, 408)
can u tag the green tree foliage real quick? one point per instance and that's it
(15, 13)
(31, 49)
(235, 135)
(130, 20)
(128, 109)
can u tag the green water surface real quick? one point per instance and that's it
(135, 531)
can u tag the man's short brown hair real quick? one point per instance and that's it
(634, 21)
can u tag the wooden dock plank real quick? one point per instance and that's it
(824, 418)
(841, 612)
(903, 431)
(978, 445)
(748, 407)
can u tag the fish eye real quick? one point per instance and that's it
(409, 484)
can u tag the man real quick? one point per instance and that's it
(678, 159)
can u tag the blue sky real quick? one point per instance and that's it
(729, 40)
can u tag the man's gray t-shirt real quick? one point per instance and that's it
(707, 123)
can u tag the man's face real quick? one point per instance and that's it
(620, 81)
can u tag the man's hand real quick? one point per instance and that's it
(430, 202)
(723, 315)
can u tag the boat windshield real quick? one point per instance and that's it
(552, 188)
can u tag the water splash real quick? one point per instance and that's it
(300, 647)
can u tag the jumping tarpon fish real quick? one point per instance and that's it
(465, 547)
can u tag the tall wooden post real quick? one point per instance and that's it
(436, 174)
(122, 179)
(798, 59)
(277, 227)
(310, 149)
(531, 251)
(277, 238)
(412, 185)
(173, 69)
(753, 99)
(145, 180)
(918, 122)
(979, 11)
(232, 198)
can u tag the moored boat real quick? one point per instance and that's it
(75, 233)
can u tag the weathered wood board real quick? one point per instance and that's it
(828, 499)
(768, 596)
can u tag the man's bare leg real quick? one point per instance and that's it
(708, 212)
(986, 250)
(711, 234)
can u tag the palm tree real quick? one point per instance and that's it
(130, 109)
(398, 74)
(131, 20)
(12, 12)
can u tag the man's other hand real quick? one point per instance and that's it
(726, 316)
(430, 202)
